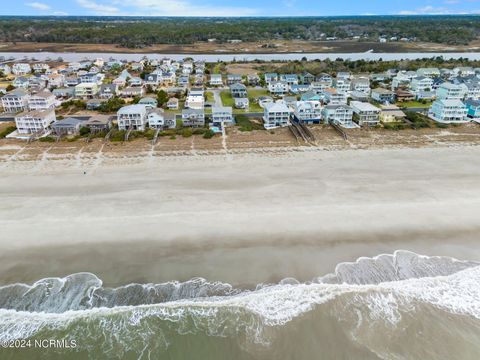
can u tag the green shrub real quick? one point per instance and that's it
(118, 135)
(199, 131)
(47, 139)
(84, 131)
(187, 132)
(208, 134)
(7, 131)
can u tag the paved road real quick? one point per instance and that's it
(217, 98)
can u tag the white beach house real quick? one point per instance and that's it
(31, 122)
(367, 114)
(132, 116)
(15, 101)
(276, 115)
(448, 111)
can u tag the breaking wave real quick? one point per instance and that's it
(400, 306)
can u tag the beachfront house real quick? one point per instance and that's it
(15, 101)
(338, 114)
(309, 112)
(473, 108)
(278, 88)
(383, 95)
(98, 123)
(68, 126)
(41, 101)
(391, 113)
(366, 113)
(238, 90)
(32, 122)
(132, 117)
(193, 117)
(276, 115)
(448, 111)
(222, 116)
(158, 119)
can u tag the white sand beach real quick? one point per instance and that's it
(244, 219)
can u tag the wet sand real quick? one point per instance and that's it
(243, 219)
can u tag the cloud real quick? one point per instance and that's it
(98, 9)
(180, 8)
(39, 6)
(431, 10)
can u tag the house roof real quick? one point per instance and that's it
(68, 122)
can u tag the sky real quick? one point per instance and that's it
(239, 7)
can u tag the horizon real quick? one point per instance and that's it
(248, 8)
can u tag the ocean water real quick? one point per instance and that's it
(399, 306)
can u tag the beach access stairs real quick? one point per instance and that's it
(339, 130)
(155, 137)
(302, 132)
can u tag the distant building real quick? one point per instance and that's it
(15, 101)
(238, 90)
(216, 80)
(383, 95)
(41, 101)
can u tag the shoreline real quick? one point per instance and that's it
(299, 213)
